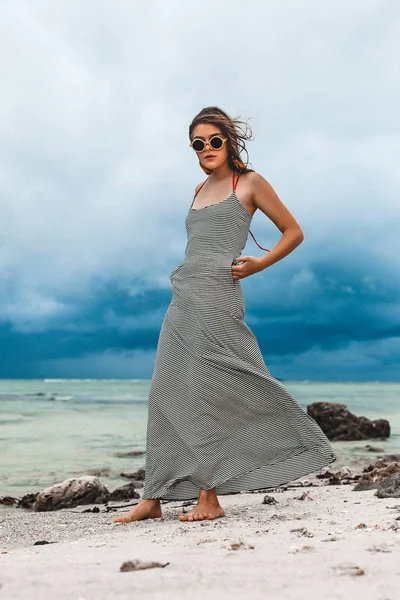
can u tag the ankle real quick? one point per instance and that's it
(208, 496)
(155, 501)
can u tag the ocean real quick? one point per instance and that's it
(53, 429)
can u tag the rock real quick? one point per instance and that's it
(303, 531)
(349, 569)
(345, 472)
(373, 448)
(339, 424)
(389, 487)
(8, 500)
(362, 486)
(375, 474)
(72, 492)
(138, 475)
(138, 484)
(125, 492)
(379, 470)
(325, 472)
(269, 500)
(388, 458)
(43, 542)
(27, 501)
(136, 565)
(240, 545)
(304, 496)
(129, 453)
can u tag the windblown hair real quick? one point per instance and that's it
(230, 128)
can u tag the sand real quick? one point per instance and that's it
(333, 544)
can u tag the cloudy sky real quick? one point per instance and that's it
(97, 176)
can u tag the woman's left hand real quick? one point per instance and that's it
(250, 265)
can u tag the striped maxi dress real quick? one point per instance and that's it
(216, 416)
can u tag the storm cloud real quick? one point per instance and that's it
(97, 177)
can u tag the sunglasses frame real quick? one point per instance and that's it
(217, 135)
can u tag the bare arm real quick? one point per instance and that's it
(265, 198)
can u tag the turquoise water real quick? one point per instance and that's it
(51, 429)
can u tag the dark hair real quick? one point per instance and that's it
(230, 128)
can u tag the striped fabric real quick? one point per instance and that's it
(216, 416)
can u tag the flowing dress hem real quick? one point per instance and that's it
(264, 476)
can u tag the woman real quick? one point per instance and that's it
(218, 422)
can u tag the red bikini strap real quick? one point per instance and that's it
(234, 184)
(199, 188)
(197, 192)
(258, 243)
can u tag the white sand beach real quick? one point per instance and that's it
(322, 541)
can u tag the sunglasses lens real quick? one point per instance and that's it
(198, 145)
(216, 142)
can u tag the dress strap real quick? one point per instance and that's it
(234, 184)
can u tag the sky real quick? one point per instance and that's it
(96, 178)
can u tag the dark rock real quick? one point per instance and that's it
(72, 492)
(269, 500)
(8, 500)
(343, 476)
(361, 486)
(380, 469)
(339, 424)
(374, 474)
(43, 542)
(373, 448)
(389, 487)
(138, 475)
(27, 501)
(125, 492)
(129, 453)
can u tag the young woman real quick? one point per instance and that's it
(218, 422)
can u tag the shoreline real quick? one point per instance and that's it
(113, 480)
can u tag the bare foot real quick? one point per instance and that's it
(147, 508)
(203, 510)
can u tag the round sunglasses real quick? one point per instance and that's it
(216, 143)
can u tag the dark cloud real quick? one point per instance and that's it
(97, 177)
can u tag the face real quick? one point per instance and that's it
(205, 131)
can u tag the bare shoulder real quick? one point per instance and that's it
(257, 181)
(261, 190)
(251, 186)
(265, 198)
(198, 186)
(252, 179)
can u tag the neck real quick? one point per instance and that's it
(220, 173)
